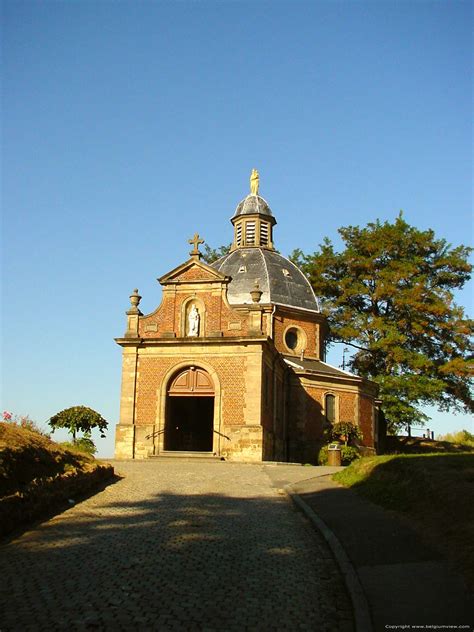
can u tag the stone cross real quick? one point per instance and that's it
(196, 241)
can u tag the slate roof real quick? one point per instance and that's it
(254, 204)
(317, 366)
(279, 279)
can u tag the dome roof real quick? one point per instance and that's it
(279, 279)
(253, 204)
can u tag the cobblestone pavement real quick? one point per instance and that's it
(175, 546)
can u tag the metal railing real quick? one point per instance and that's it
(152, 435)
(222, 435)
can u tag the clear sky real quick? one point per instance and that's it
(128, 126)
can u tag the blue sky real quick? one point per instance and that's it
(128, 126)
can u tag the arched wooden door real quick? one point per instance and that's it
(190, 411)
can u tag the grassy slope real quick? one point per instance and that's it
(418, 445)
(434, 490)
(36, 474)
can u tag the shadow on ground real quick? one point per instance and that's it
(174, 562)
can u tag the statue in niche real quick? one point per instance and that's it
(193, 321)
(254, 182)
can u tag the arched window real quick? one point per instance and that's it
(330, 408)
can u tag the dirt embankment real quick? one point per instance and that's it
(38, 476)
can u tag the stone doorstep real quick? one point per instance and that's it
(175, 454)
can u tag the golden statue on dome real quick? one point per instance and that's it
(254, 182)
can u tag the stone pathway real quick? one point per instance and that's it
(175, 546)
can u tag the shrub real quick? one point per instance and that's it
(344, 431)
(463, 437)
(24, 421)
(83, 444)
(348, 454)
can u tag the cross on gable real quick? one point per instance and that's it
(196, 241)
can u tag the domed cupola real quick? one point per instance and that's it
(252, 258)
(253, 220)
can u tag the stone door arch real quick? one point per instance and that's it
(189, 411)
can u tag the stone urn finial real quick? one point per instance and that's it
(135, 299)
(256, 293)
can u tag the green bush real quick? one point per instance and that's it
(83, 444)
(348, 454)
(462, 437)
(344, 431)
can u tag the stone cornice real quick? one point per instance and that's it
(171, 277)
(212, 341)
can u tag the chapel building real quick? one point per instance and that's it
(231, 363)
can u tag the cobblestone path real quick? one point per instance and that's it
(175, 546)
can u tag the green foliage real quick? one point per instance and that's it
(212, 254)
(462, 437)
(345, 431)
(389, 295)
(83, 444)
(79, 419)
(348, 455)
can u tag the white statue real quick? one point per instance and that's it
(193, 321)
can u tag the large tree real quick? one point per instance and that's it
(389, 295)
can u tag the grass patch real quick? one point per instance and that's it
(37, 474)
(419, 445)
(435, 491)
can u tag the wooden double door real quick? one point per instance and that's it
(190, 412)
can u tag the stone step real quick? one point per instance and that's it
(186, 454)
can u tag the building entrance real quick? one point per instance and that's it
(190, 412)
(189, 425)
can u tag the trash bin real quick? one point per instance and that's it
(334, 454)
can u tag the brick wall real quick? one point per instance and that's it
(347, 407)
(152, 370)
(217, 317)
(366, 419)
(306, 406)
(283, 321)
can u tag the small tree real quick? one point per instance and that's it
(79, 419)
(345, 431)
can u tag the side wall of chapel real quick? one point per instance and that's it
(307, 419)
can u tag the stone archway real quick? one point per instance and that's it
(189, 424)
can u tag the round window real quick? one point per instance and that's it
(291, 339)
(295, 339)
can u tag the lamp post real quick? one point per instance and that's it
(344, 351)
